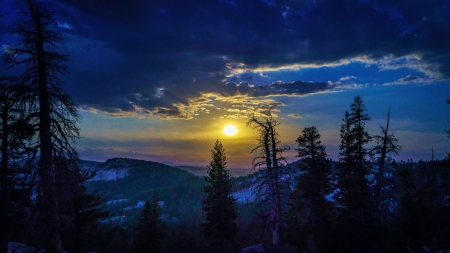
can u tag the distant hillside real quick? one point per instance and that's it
(127, 183)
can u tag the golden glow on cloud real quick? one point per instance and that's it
(229, 130)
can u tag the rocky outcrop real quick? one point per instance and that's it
(270, 248)
(15, 247)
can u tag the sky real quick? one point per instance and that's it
(159, 80)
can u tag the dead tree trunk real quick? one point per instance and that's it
(271, 156)
(386, 145)
(277, 190)
(382, 162)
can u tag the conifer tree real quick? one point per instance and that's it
(52, 111)
(219, 205)
(149, 233)
(14, 132)
(79, 210)
(307, 201)
(9, 100)
(448, 131)
(356, 221)
(353, 167)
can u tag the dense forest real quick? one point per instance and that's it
(365, 202)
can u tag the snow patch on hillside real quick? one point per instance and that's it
(138, 205)
(245, 195)
(116, 201)
(141, 204)
(118, 219)
(111, 174)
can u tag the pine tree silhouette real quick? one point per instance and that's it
(309, 210)
(357, 224)
(149, 233)
(219, 205)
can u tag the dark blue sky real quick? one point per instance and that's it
(155, 77)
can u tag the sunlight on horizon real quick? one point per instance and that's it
(230, 130)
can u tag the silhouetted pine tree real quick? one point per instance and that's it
(356, 223)
(149, 233)
(52, 111)
(79, 210)
(219, 205)
(424, 207)
(309, 210)
(14, 133)
(448, 131)
(87, 210)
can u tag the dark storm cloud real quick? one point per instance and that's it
(126, 51)
(409, 79)
(297, 88)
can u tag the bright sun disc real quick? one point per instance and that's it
(229, 130)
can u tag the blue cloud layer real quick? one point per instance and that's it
(184, 48)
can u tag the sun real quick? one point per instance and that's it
(229, 130)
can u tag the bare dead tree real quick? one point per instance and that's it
(269, 166)
(386, 145)
(53, 114)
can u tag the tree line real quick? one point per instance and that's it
(364, 202)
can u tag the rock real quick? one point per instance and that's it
(254, 249)
(15, 247)
(270, 248)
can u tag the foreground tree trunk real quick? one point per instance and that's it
(46, 168)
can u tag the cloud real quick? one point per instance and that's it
(97, 149)
(251, 97)
(171, 53)
(64, 25)
(346, 78)
(294, 115)
(279, 88)
(410, 79)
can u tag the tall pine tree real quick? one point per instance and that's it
(353, 168)
(52, 110)
(309, 210)
(357, 227)
(149, 232)
(448, 131)
(219, 205)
